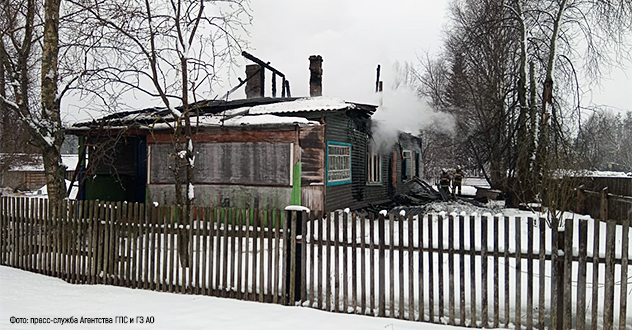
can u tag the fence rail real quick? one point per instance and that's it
(468, 270)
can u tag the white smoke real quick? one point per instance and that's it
(401, 110)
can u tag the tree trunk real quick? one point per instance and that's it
(51, 132)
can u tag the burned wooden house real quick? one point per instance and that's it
(258, 152)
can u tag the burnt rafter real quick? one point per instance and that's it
(285, 90)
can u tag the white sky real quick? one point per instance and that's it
(353, 36)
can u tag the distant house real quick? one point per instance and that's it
(258, 152)
(25, 172)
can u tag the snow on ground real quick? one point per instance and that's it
(43, 191)
(27, 295)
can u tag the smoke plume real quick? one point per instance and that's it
(401, 110)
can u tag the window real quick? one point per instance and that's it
(374, 168)
(338, 163)
(409, 168)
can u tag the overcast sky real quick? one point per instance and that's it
(353, 36)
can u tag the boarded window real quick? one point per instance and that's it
(228, 162)
(374, 167)
(338, 163)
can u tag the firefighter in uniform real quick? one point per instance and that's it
(457, 180)
(444, 182)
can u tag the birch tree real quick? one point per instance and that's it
(30, 45)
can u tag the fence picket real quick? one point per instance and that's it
(198, 247)
(625, 234)
(303, 232)
(232, 234)
(277, 267)
(262, 255)
(530, 223)
(496, 321)
(293, 264)
(568, 267)
(462, 308)
(284, 261)
(451, 309)
(581, 275)
(506, 270)
(484, 275)
(173, 214)
(440, 242)
(541, 275)
(247, 256)
(165, 214)
(255, 237)
(555, 294)
(269, 274)
(363, 287)
(518, 275)
(345, 262)
(382, 267)
(239, 233)
(472, 272)
(411, 270)
(391, 263)
(354, 264)
(372, 264)
(608, 310)
(206, 269)
(400, 261)
(336, 262)
(430, 271)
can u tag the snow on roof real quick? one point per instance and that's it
(222, 109)
(321, 103)
(608, 174)
(593, 174)
(69, 160)
(238, 121)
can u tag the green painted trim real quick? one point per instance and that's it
(336, 183)
(295, 198)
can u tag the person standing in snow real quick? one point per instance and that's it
(444, 182)
(457, 180)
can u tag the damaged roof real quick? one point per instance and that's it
(243, 112)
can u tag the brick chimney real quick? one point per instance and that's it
(254, 85)
(316, 75)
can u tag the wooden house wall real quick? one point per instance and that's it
(312, 157)
(249, 194)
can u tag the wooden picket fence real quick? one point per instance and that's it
(467, 270)
(220, 252)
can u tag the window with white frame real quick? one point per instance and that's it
(374, 167)
(409, 166)
(338, 163)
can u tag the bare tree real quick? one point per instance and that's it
(29, 46)
(169, 49)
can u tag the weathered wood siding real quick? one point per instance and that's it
(238, 167)
(240, 196)
(312, 156)
(228, 162)
(312, 143)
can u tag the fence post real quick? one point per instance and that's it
(560, 278)
(293, 261)
(581, 200)
(382, 267)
